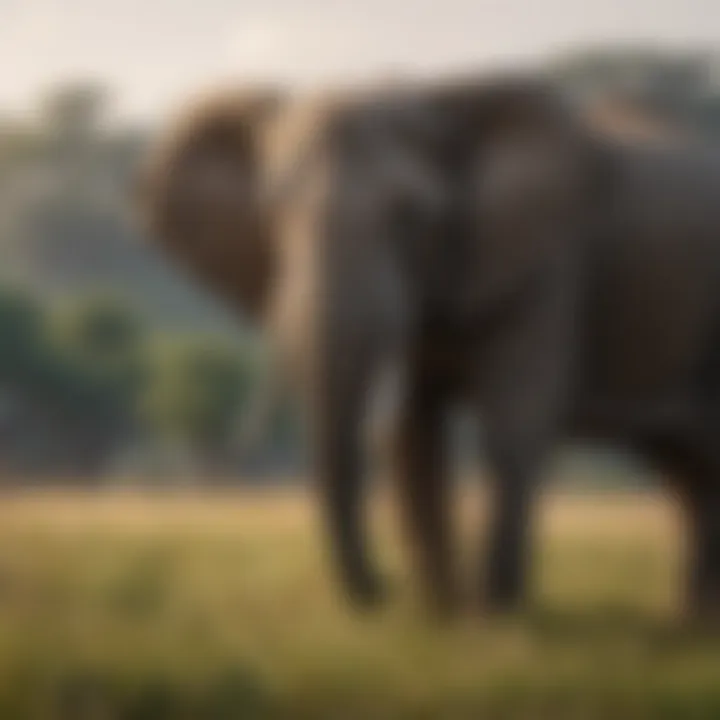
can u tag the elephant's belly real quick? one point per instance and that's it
(449, 361)
(646, 377)
(613, 417)
(650, 328)
(640, 377)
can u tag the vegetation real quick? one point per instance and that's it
(221, 607)
(195, 398)
(680, 87)
(83, 382)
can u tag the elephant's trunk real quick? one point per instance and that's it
(362, 323)
(340, 403)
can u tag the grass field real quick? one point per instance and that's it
(220, 606)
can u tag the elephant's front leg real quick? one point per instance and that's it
(339, 401)
(420, 465)
(525, 375)
(516, 461)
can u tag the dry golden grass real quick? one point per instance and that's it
(191, 605)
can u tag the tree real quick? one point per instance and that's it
(102, 345)
(73, 113)
(677, 86)
(69, 384)
(102, 333)
(21, 329)
(198, 387)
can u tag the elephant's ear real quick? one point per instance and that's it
(200, 195)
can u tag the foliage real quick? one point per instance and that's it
(21, 321)
(198, 385)
(81, 382)
(104, 338)
(681, 86)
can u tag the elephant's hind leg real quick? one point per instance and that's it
(704, 578)
(693, 467)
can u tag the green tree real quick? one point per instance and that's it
(21, 335)
(102, 345)
(680, 86)
(68, 384)
(74, 113)
(105, 336)
(197, 390)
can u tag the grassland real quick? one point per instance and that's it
(220, 606)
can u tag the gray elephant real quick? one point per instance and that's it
(480, 236)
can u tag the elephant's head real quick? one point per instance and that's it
(200, 195)
(393, 210)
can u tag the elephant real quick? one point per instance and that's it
(478, 235)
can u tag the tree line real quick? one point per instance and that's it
(87, 387)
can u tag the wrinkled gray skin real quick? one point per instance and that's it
(559, 285)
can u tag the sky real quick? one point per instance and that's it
(155, 52)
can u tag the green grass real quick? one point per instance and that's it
(121, 606)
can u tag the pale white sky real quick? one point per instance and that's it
(153, 52)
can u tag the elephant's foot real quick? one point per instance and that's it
(703, 608)
(366, 592)
(703, 599)
(503, 598)
(444, 603)
(501, 607)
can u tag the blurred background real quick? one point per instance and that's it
(118, 371)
